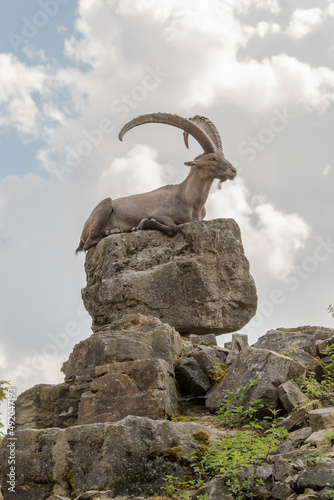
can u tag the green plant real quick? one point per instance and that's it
(3, 392)
(330, 438)
(312, 388)
(170, 487)
(317, 456)
(218, 372)
(237, 457)
(233, 413)
(290, 350)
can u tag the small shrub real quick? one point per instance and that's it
(233, 413)
(217, 373)
(3, 392)
(290, 351)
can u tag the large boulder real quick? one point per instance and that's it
(128, 458)
(300, 343)
(267, 368)
(126, 368)
(198, 282)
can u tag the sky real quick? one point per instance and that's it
(73, 72)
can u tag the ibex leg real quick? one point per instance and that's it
(163, 224)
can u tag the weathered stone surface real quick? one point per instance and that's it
(308, 494)
(318, 438)
(130, 457)
(214, 489)
(191, 379)
(145, 387)
(321, 345)
(95, 495)
(300, 434)
(239, 342)
(125, 369)
(210, 359)
(134, 337)
(299, 417)
(300, 343)
(282, 469)
(268, 368)
(302, 337)
(315, 478)
(264, 471)
(290, 395)
(322, 418)
(197, 282)
(57, 497)
(44, 406)
(281, 491)
(208, 340)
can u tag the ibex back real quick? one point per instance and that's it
(167, 207)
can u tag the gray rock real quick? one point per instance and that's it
(239, 342)
(207, 340)
(191, 379)
(144, 387)
(46, 405)
(291, 340)
(321, 345)
(326, 493)
(308, 494)
(299, 417)
(210, 359)
(129, 458)
(319, 438)
(197, 282)
(300, 435)
(282, 469)
(290, 395)
(315, 478)
(264, 471)
(57, 497)
(281, 491)
(98, 495)
(299, 343)
(133, 337)
(322, 418)
(214, 489)
(268, 368)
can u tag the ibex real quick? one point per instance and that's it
(167, 207)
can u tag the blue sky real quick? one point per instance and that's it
(17, 155)
(262, 71)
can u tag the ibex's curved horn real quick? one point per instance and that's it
(208, 127)
(189, 127)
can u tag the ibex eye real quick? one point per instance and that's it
(211, 159)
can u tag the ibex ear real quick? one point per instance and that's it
(190, 163)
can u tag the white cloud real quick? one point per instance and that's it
(330, 9)
(137, 172)
(245, 6)
(263, 29)
(18, 83)
(303, 22)
(271, 237)
(327, 169)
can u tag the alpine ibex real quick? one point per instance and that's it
(167, 207)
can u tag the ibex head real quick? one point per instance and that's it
(207, 135)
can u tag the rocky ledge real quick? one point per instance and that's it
(197, 282)
(137, 408)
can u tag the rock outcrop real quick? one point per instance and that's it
(129, 457)
(138, 400)
(198, 282)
